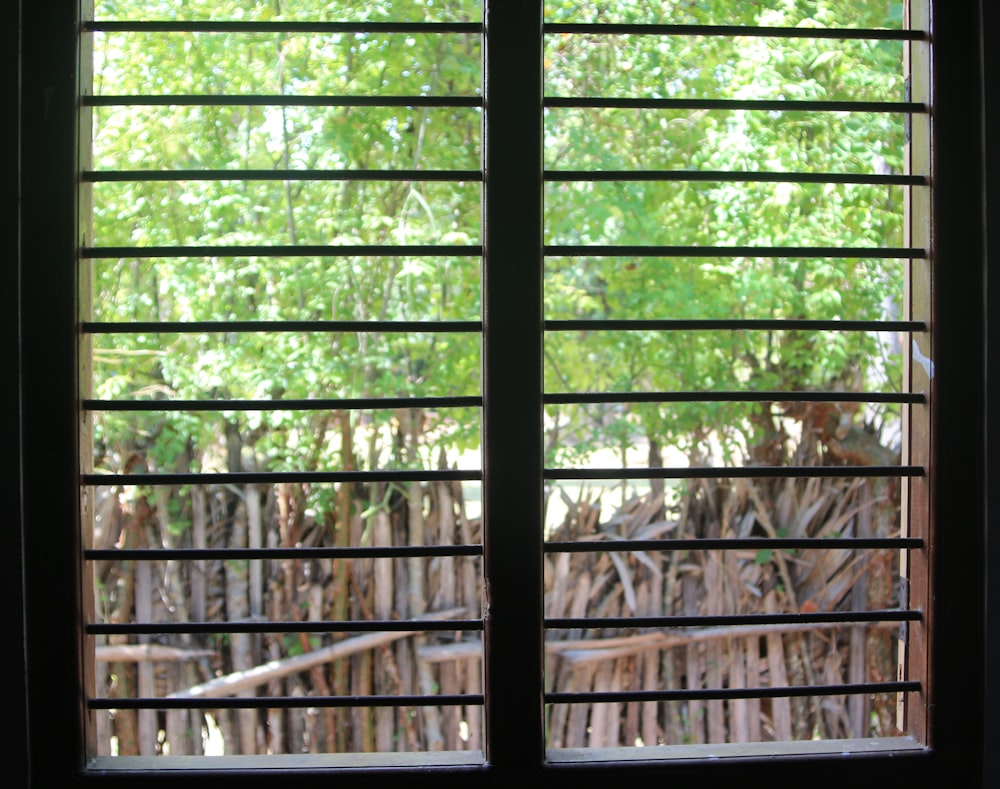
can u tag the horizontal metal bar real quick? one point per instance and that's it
(692, 694)
(286, 702)
(135, 176)
(264, 326)
(566, 398)
(735, 544)
(282, 250)
(325, 404)
(733, 324)
(735, 472)
(731, 31)
(732, 620)
(673, 251)
(224, 26)
(298, 554)
(733, 176)
(760, 105)
(274, 477)
(230, 100)
(360, 626)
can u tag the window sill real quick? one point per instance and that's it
(750, 750)
(287, 762)
(474, 760)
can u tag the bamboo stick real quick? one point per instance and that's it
(739, 724)
(581, 680)
(781, 709)
(383, 597)
(753, 669)
(276, 686)
(146, 653)
(615, 708)
(446, 598)
(238, 681)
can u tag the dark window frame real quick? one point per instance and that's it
(47, 424)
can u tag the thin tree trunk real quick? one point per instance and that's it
(739, 725)
(126, 725)
(276, 687)
(199, 568)
(714, 656)
(320, 685)
(296, 718)
(582, 681)
(341, 573)
(446, 598)
(880, 648)
(578, 679)
(145, 679)
(600, 713)
(801, 728)
(781, 708)
(656, 665)
(383, 597)
(238, 610)
(752, 652)
(255, 540)
(179, 730)
(417, 588)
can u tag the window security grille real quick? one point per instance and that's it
(290, 523)
(693, 623)
(274, 498)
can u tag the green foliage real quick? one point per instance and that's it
(283, 365)
(233, 365)
(720, 213)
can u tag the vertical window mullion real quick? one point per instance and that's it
(512, 383)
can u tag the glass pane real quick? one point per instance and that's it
(209, 594)
(613, 394)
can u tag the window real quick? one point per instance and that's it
(522, 199)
